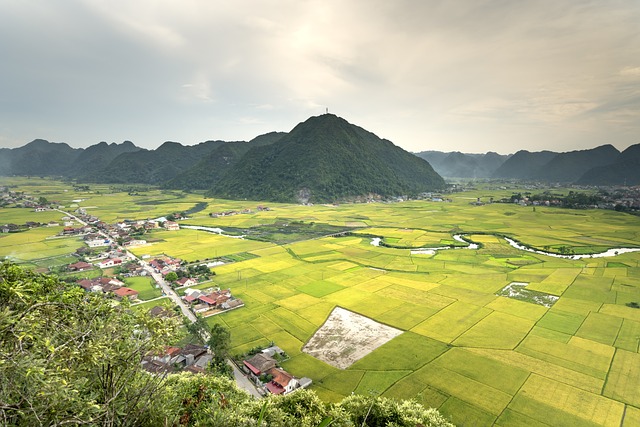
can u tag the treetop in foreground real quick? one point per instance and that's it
(69, 358)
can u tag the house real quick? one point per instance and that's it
(259, 364)
(109, 281)
(304, 382)
(156, 264)
(234, 303)
(201, 308)
(173, 263)
(150, 225)
(274, 349)
(135, 243)
(89, 286)
(160, 311)
(98, 242)
(282, 382)
(171, 225)
(207, 300)
(124, 292)
(186, 281)
(110, 262)
(69, 231)
(109, 287)
(200, 365)
(192, 358)
(190, 298)
(80, 266)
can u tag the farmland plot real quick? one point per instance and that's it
(479, 357)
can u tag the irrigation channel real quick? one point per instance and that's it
(460, 238)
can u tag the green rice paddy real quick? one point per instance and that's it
(481, 358)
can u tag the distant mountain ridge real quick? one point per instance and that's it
(603, 165)
(625, 170)
(323, 157)
(463, 165)
(548, 166)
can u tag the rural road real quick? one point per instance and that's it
(241, 380)
(168, 291)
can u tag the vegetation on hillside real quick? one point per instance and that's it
(72, 358)
(326, 159)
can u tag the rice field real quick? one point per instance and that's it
(480, 357)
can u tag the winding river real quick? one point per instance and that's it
(459, 237)
(608, 253)
(219, 231)
(376, 241)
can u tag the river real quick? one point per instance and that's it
(216, 230)
(376, 241)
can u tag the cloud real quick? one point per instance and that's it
(630, 71)
(465, 75)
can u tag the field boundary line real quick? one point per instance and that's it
(514, 396)
(606, 377)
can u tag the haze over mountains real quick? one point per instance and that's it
(603, 165)
(323, 159)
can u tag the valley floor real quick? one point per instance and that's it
(478, 354)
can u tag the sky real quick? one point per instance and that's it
(464, 75)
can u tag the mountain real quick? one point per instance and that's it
(152, 166)
(208, 171)
(462, 165)
(625, 170)
(39, 157)
(549, 166)
(98, 155)
(570, 166)
(523, 164)
(325, 159)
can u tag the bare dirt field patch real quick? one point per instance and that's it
(346, 337)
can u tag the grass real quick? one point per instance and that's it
(145, 286)
(588, 406)
(601, 328)
(376, 382)
(476, 393)
(406, 351)
(478, 357)
(451, 322)
(624, 377)
(482, 334)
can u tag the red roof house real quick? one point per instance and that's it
(126, 292)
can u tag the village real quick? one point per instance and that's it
(105, 263)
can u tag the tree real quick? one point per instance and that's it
(171, 276)
(220, 340)
(219, 343)
(70, 357)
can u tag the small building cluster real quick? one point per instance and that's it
(262, 368)
(243, 211)
(190, 358)
(165, 265)
(109, 285)
(211, 301)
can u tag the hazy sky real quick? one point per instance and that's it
(463, 75)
